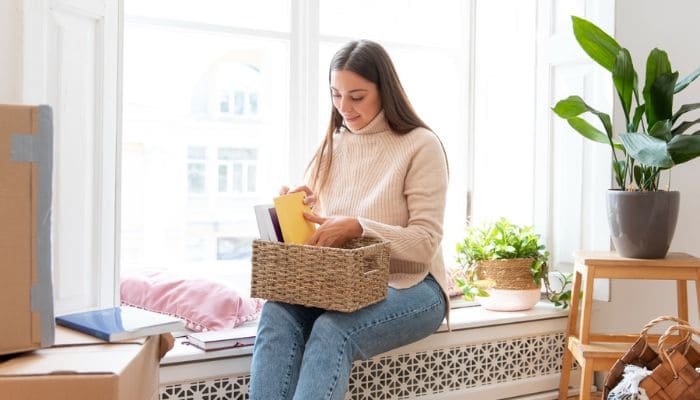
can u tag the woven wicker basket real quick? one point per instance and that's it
(340, 279)
(512, 274)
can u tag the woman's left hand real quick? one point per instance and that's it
(333, 231)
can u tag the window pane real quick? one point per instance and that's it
(223, 178)
(180, 123)
(237, 177)
(238, 102)
(504, 136)
(252, 176)
(421, 22)
(258, 14)
(196, 177)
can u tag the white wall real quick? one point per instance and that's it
(10, 51)
(641, 25)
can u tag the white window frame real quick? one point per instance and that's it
(81, 81)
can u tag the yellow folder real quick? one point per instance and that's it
(295, 228)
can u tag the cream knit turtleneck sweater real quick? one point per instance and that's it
(395, 184)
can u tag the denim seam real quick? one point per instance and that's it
(288, 374)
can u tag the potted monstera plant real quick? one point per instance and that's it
(504, 265)
(655, 138)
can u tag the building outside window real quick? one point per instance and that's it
(237, 170)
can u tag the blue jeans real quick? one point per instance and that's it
(306, 353)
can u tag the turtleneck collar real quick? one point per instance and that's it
(378, 124)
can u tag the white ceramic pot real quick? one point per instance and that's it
(510, 300)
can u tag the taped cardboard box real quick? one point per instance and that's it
(26, 295)
(80, 367)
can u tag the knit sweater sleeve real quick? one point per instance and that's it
(425, 188)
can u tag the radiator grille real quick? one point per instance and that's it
(451, 369)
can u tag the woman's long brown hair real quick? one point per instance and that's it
(369, 60)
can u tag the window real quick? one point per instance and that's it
(212, 96)
(196, 169)
(237, 170)
(224, 102)
(205, 102)
(470, 59)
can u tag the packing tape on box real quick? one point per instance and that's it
(38, 148)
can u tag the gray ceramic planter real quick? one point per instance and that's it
(642, 223)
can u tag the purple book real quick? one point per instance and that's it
(276, 223)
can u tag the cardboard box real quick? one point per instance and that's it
(26, 295)
(80, 367)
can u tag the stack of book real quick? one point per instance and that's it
(284, 220)
(215, 340)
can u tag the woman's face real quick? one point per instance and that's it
(356, 99)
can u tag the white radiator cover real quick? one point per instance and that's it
(488, 369)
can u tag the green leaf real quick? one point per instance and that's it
(625, 79)
(662, 130)
(638, 114)
(590, 132)
(620, 169)
(684, 109)
(686, 81)
(468, 295)
(605, 119)
(570, 107)
(647, 150)
(597, 44)
(683, 126)
(684, 148)
(657, 64)
(660, 102)
(658, 87)
(638, 175)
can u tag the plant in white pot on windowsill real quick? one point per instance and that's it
(655, 138)
(504, 265)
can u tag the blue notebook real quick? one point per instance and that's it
(120, 323)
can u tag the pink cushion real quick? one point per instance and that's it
(203, 304)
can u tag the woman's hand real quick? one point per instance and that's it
(309, 199)
(333, 231)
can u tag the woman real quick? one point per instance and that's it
(380, 172)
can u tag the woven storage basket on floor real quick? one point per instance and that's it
(675, 378)
(642, 353)
(340, 279)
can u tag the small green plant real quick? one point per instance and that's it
(505, 240)
(653, 139)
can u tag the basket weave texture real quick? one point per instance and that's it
(340, 279)
(675, 378)
(511, 274)
(662, 384)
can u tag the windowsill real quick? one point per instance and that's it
(464, 318)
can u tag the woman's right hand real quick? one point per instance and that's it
(309, 198)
